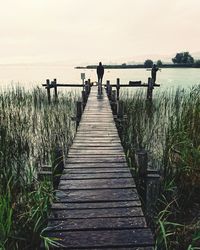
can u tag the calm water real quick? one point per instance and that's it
(29, 76)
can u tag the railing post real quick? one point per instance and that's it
(149, 89)
(152, 191)
(48, 91)
(79, 111)
(113, 102)
(113, 96)
(141, 158)
(55, 90)
(120, 109)
(108, 89)
(84, 98)
(118, 88)
(107, 86)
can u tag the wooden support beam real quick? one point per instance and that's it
(120, 109)
(150, 89)
(79, 111)
(118, 88)
(141, 158)
(48, 90)
(55, 90)
(65, 85)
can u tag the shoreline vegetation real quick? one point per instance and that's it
(169, 130)
(31, 131)
(139, 66)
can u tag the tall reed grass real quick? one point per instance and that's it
(30, 131)
(169, 129)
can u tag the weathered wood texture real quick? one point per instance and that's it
(97, 204)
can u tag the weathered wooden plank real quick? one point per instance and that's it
(118, 248)
(100, 165)
(76, 147)
(96, 119)
(96, 223)
(82, 176)
(95, 159)
(88, 145)
(101, 139)
(98, 128)
(88, 205)
(98, 146)
(96, 213)
(94, 151)
(93, 170)
(105, 238)
(95, 136)
(98, 133)
(97, 140)
(96, 184)
(97, 195)
(89, 127)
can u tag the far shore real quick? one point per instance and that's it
(138, 66)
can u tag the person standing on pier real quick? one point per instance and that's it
(100, 73)
(153, 73)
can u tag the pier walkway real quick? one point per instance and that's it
(97, 204)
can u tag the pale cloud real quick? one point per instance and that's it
(89, 30)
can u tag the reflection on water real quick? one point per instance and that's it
(32, 75)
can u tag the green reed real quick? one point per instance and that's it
(169, 129)
(30, 131)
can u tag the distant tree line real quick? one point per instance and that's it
(181, 59)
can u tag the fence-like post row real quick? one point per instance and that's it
(48, 91)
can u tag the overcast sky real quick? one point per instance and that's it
(78, 31)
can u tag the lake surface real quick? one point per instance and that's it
(34, 75)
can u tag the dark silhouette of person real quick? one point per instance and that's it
(153, 73)
(100, 72)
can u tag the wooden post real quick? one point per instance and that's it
(141, 158)
(84, 98)
(86, 89)
(120, 109)
(149, 89)
(109, 89)
(89, 86)
(152, 191)
(78, 112)
(118, 88)
(113, 96)
(55, 90)
(107, 86)
(109, 92)
(113, 102)
(48, 91)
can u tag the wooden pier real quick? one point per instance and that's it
(97, 204)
